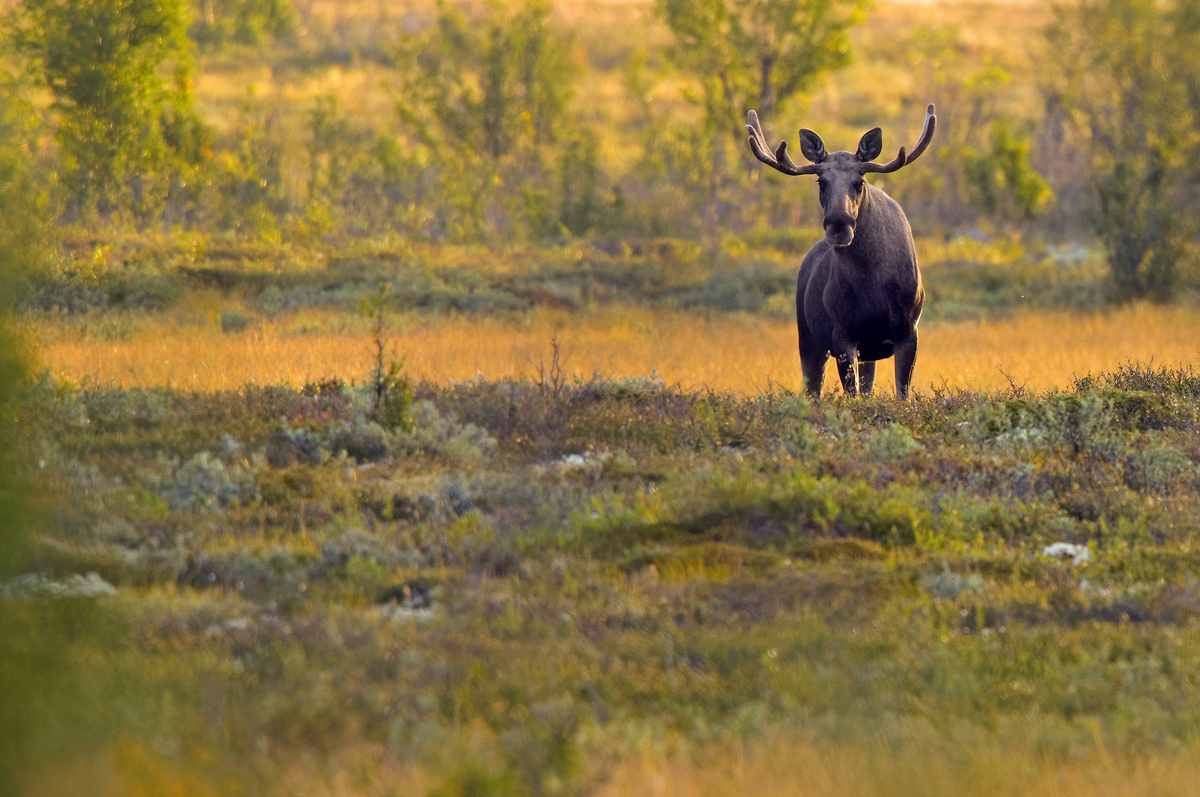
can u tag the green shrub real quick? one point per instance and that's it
(892, 442)
(434, 434)
(206, 485)
(1164, 469)
(129, 135)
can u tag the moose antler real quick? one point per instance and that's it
(903, 159)
(779, 160)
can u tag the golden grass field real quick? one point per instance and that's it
(781, 765)
(796, 768)
(726, 353)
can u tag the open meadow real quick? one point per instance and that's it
(403, 398)
(740, 353)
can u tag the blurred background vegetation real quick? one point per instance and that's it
(518, 124)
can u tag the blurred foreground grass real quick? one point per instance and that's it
(928, 767)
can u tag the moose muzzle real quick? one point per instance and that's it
(839, 228)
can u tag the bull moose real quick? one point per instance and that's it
(859, 294)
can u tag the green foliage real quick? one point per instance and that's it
(249, 182)
(108, 288)
(1146, 380)
(893, 442)
(980, 167)
(581, 206)
(1139, 224)
(217, 22)
(25, 231)
(752, 55)
(24, 259)
(748, 287)
(1127, 81)
(518, 125)
(328, 156)
(436, 435)
(486, 99)
(120, 75)
(204, 484)
(391, 391)
(1001, 179)
(497, 86)
(743, 55)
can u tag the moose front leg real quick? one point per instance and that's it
(906, 361)
(812, 364)
(846, 354)
(866, 376)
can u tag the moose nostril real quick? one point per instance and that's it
(839, 233)
(836, 220)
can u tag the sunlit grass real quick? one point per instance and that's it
(792, 766)
(736, 353)
(783, 764)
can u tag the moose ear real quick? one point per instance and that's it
(812, 146)
(870, 145)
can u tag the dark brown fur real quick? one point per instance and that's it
(859, 293)
(861, 302)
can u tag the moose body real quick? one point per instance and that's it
(859, 293)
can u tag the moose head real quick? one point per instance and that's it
(839, 174)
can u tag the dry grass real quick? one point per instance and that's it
(133, 769)
(781, 765)
(741, 354)
(798, 768)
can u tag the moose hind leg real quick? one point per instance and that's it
(866, 377)
(906, 361)
(813, 368)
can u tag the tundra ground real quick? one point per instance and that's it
(531, 588)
